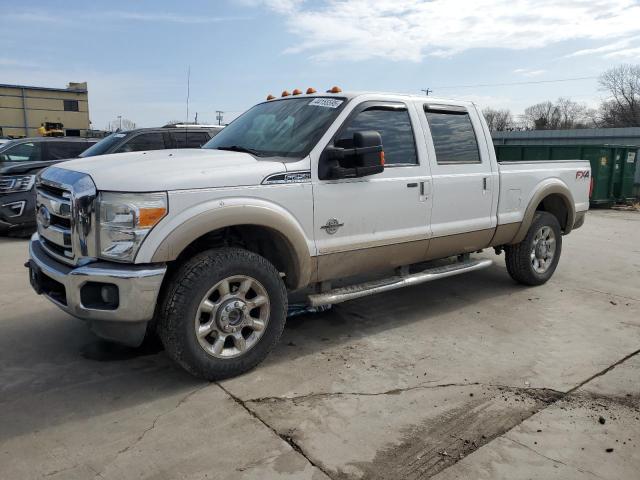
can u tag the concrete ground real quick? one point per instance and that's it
(469, 377)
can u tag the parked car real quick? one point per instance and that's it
(204, 246)
(145, 139)
(20, 160)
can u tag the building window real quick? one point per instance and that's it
(71, 106)
(72, 132)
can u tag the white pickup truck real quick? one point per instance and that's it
(203, 247)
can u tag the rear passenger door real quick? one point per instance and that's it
(463, 181)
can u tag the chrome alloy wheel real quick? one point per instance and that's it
(232, 316)
(544, 249)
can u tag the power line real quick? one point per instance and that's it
(532, 82)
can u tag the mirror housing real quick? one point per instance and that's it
(365, 158)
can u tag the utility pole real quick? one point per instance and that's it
(426, 91)
(120, 120)
(196, 121)
(219, 116)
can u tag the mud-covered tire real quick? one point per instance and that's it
(519, 258)
(182, 301)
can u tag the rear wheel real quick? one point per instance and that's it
(533, 261)
(223, 312)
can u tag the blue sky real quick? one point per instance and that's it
(135, 54)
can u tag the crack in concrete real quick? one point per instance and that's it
(555, 460)
(602, 372)
(394, 391)
(290, 441)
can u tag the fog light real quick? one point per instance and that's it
(109, 294)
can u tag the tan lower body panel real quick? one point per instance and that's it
(355, 262)
(441, 247)
(504, 234)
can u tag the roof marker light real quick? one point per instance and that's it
(311, 90)
(296, 91)
(285, 93)
(334, 90)
(270, 97)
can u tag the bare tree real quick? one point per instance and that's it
(542, 116)
(120, 124)
(622, 108)
(498, 120)
(563, 114)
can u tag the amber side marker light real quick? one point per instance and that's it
(382, 158)
(297, 91)
(334, 90)
(270, 97)
(285, 93)
(311, 90)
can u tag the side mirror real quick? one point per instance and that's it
(365, 158)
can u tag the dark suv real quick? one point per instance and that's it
(153, 139)
(21, 159)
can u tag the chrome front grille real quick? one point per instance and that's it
(22, 183)
(65, 212)
(6, 184)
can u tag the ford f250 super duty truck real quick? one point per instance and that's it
(204, 246)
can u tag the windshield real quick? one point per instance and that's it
(103, 146)
(281, 128)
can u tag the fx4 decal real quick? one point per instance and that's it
(582, 174)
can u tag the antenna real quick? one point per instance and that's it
(426, 91)
(188, 89)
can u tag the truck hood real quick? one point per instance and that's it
(174, 170)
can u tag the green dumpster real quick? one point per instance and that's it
(612, 166)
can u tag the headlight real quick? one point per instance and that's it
(125, 221)
(18, 183)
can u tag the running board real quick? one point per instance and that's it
(352, 292)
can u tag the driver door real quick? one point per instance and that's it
(382, 220)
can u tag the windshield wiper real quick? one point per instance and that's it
(239, 148)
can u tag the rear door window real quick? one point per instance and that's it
(62, 150)
(142, 142)
(453, 137)
(23, 152)
(190, 139)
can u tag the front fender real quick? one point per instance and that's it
(167, 242)
(548, 187)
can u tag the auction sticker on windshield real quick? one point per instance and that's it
(326, 102)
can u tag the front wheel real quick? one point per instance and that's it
(533, 261)
(223, 312)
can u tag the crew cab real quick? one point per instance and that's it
(204, 247)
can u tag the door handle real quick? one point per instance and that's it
(412, 185)
(484, 183)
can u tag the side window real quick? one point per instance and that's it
(144, 141)
(453, 137)
(23, 152)
(62, 150)
(190, 139)
(394, 126)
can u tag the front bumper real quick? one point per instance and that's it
(137, 285)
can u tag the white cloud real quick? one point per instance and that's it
(107, 15)
(527, 72)
(409, 30)
(609, 49)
